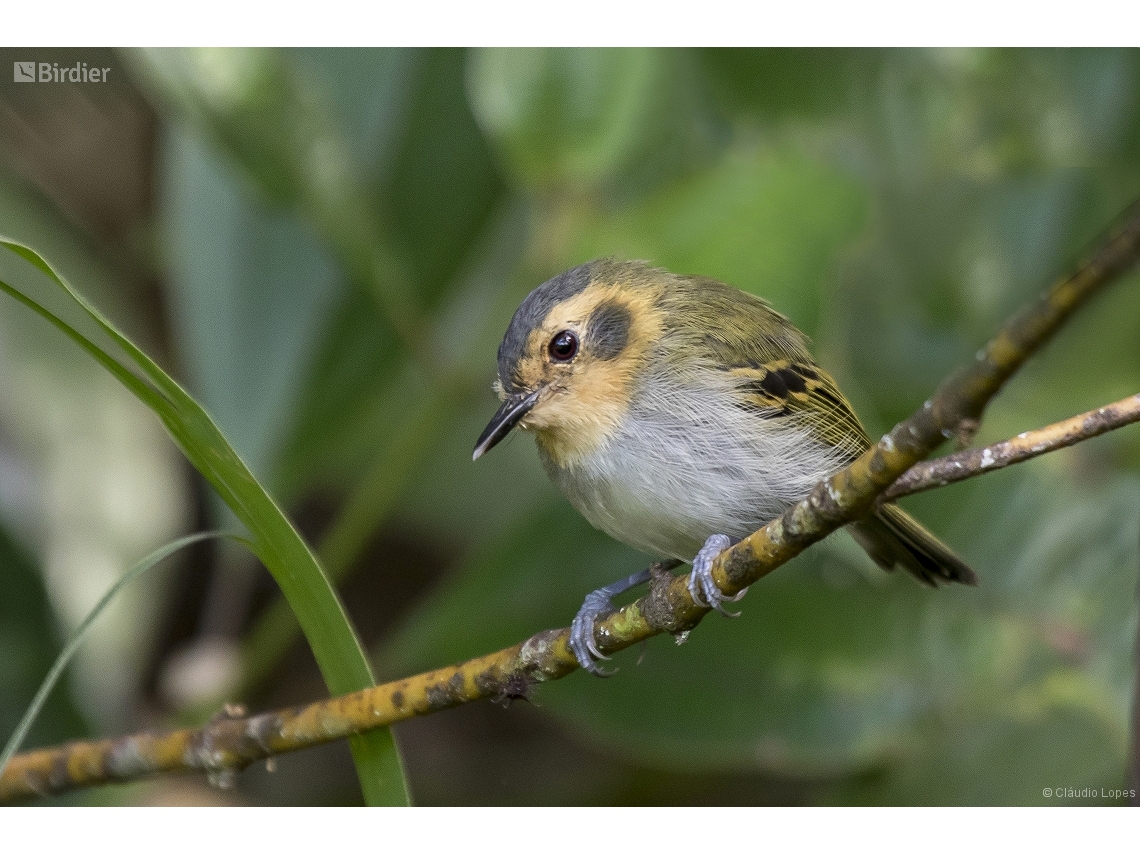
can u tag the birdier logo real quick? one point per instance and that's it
(51, 72)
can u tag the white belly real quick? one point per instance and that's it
(679, 471)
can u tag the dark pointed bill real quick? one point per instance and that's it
(508, 415)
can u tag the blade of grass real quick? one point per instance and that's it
(368, 505)
(65, 655)
(273, 538)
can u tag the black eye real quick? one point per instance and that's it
(563, 346)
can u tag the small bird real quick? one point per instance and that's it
(678, 415)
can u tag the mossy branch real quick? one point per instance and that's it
(231, 742)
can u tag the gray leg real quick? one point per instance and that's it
(702, 588)
(596, 604)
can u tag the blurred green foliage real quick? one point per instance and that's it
(345, 234)
(28, 639)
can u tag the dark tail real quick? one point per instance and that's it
(892, 537)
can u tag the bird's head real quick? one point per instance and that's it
(572, 355)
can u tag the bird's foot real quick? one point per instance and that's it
(702, 588)
(596, 604)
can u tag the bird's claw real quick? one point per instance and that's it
(596, 604)
(702, 587)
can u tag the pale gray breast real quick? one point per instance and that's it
(688, 463)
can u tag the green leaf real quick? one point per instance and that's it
(247, 313)
(274, 539)
(442, 184)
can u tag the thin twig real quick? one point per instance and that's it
(230, 744)
(1025, 446)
